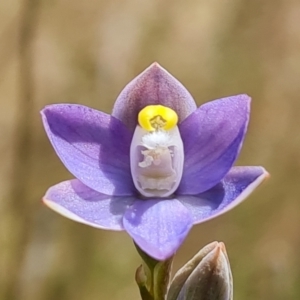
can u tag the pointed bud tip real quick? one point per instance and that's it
(223, 248)
(216, 255)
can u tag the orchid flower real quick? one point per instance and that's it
(156, 166)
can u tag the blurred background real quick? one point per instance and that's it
(86, 52)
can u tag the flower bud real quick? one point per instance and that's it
(207, 276)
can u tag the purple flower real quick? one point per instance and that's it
(156, 178)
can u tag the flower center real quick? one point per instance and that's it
(156, 152)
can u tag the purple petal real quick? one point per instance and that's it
(238, 184)
(212, 138)
(158, 226)
(76, 201)
(92, 145)
(154, 86)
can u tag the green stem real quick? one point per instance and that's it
(153, 278)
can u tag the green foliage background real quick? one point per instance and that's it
(85, 52)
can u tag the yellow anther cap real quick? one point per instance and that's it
(155, 117)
